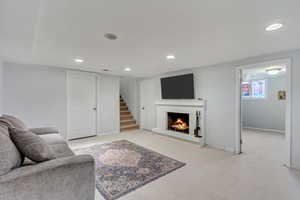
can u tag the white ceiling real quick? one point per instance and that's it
(198, 32)
(258, 71)
(262, 70)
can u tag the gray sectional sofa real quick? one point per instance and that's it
(67, 177)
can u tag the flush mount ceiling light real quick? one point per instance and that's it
(127, 69)
(170, 57)
(274, 27)
(110, 36)
(78, 60)
(273, 70)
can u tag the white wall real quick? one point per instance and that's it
(36, 95)
(217, 85)
(295, 109)
(1, 87)
(207, 86)
(129, 89)
(270, 109)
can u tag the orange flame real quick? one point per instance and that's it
(179, 124)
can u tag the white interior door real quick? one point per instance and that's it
(147, 97)
(82, 106)
(109, 105)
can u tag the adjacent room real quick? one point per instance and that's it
(149, 100)
(265, 107)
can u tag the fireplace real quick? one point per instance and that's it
(178, 122)
(183, 119)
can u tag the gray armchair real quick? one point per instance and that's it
(60, 179)
(66, 177)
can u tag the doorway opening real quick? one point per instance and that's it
(263, 110)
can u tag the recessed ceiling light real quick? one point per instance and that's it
(110, 36)
(78, 60)
(274, 27)
(127, 69)
(171, 57)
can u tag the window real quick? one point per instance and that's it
(258, 88)
(254, 89)
(246, 89)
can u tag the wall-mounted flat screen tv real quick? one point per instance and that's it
(178, 87)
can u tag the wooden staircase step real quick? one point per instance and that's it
(126, 112)
(128, 122)
(124, 108)
(129, 127)
(126, 117)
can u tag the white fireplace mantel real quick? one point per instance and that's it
(191, 107)
(193, 103)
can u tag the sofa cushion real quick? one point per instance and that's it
(10, 157)
(58, 145)
(31, 145)
(53, 139)
(61, 150)
(16, 123)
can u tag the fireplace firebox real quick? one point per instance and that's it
(178, 122)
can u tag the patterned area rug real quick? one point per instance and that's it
(123, 166)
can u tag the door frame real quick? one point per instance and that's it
(142, 106)
(288, 136)
(68, 74)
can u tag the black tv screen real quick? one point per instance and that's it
(178, 87)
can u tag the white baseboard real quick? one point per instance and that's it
(227, 149)
(265, 130)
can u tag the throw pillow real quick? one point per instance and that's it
(17, 123)
(31, 145)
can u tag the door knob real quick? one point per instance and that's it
(95, 108)
(143, 108)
